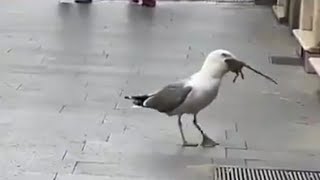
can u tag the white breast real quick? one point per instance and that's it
(204, 91)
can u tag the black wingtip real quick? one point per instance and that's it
(127, 97)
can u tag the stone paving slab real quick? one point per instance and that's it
(271, 155)
(31, 176)
(95, 177)
(93, 151)
(42, 160)
(155, 165)
(230, 162)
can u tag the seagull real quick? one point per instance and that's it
(193, 94)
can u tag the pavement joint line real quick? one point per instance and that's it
(20, 85)
(104, 119)
(236, 126)
(75, 167)
(106, 56)
(7, 84)
(55, 176)
(203, 54)
(84, 145)
(212, 171)
(238, 148)
(226, 152)
(226, 134)
(116, 106)
(108, 138)
(94, 162)
(125, 129)
(43, 59)
(121, 92)
(39, 47)
(86, 85)
(106, 61)
(62, 108)
(64, 155)
(77, 142)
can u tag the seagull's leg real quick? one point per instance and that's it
(184, 142)
(181, 130)
(206, 141)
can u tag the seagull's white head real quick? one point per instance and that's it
(221, 61)
(215, 64)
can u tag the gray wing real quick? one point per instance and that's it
(169, 97)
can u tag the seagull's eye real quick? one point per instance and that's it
(225, 55)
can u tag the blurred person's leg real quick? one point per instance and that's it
(83, 1)
(149, 3)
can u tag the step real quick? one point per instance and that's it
(305, 39)
(315, 63)
(279, 12)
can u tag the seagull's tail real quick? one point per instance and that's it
(138, 100)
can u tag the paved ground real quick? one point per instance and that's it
(65, 69)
